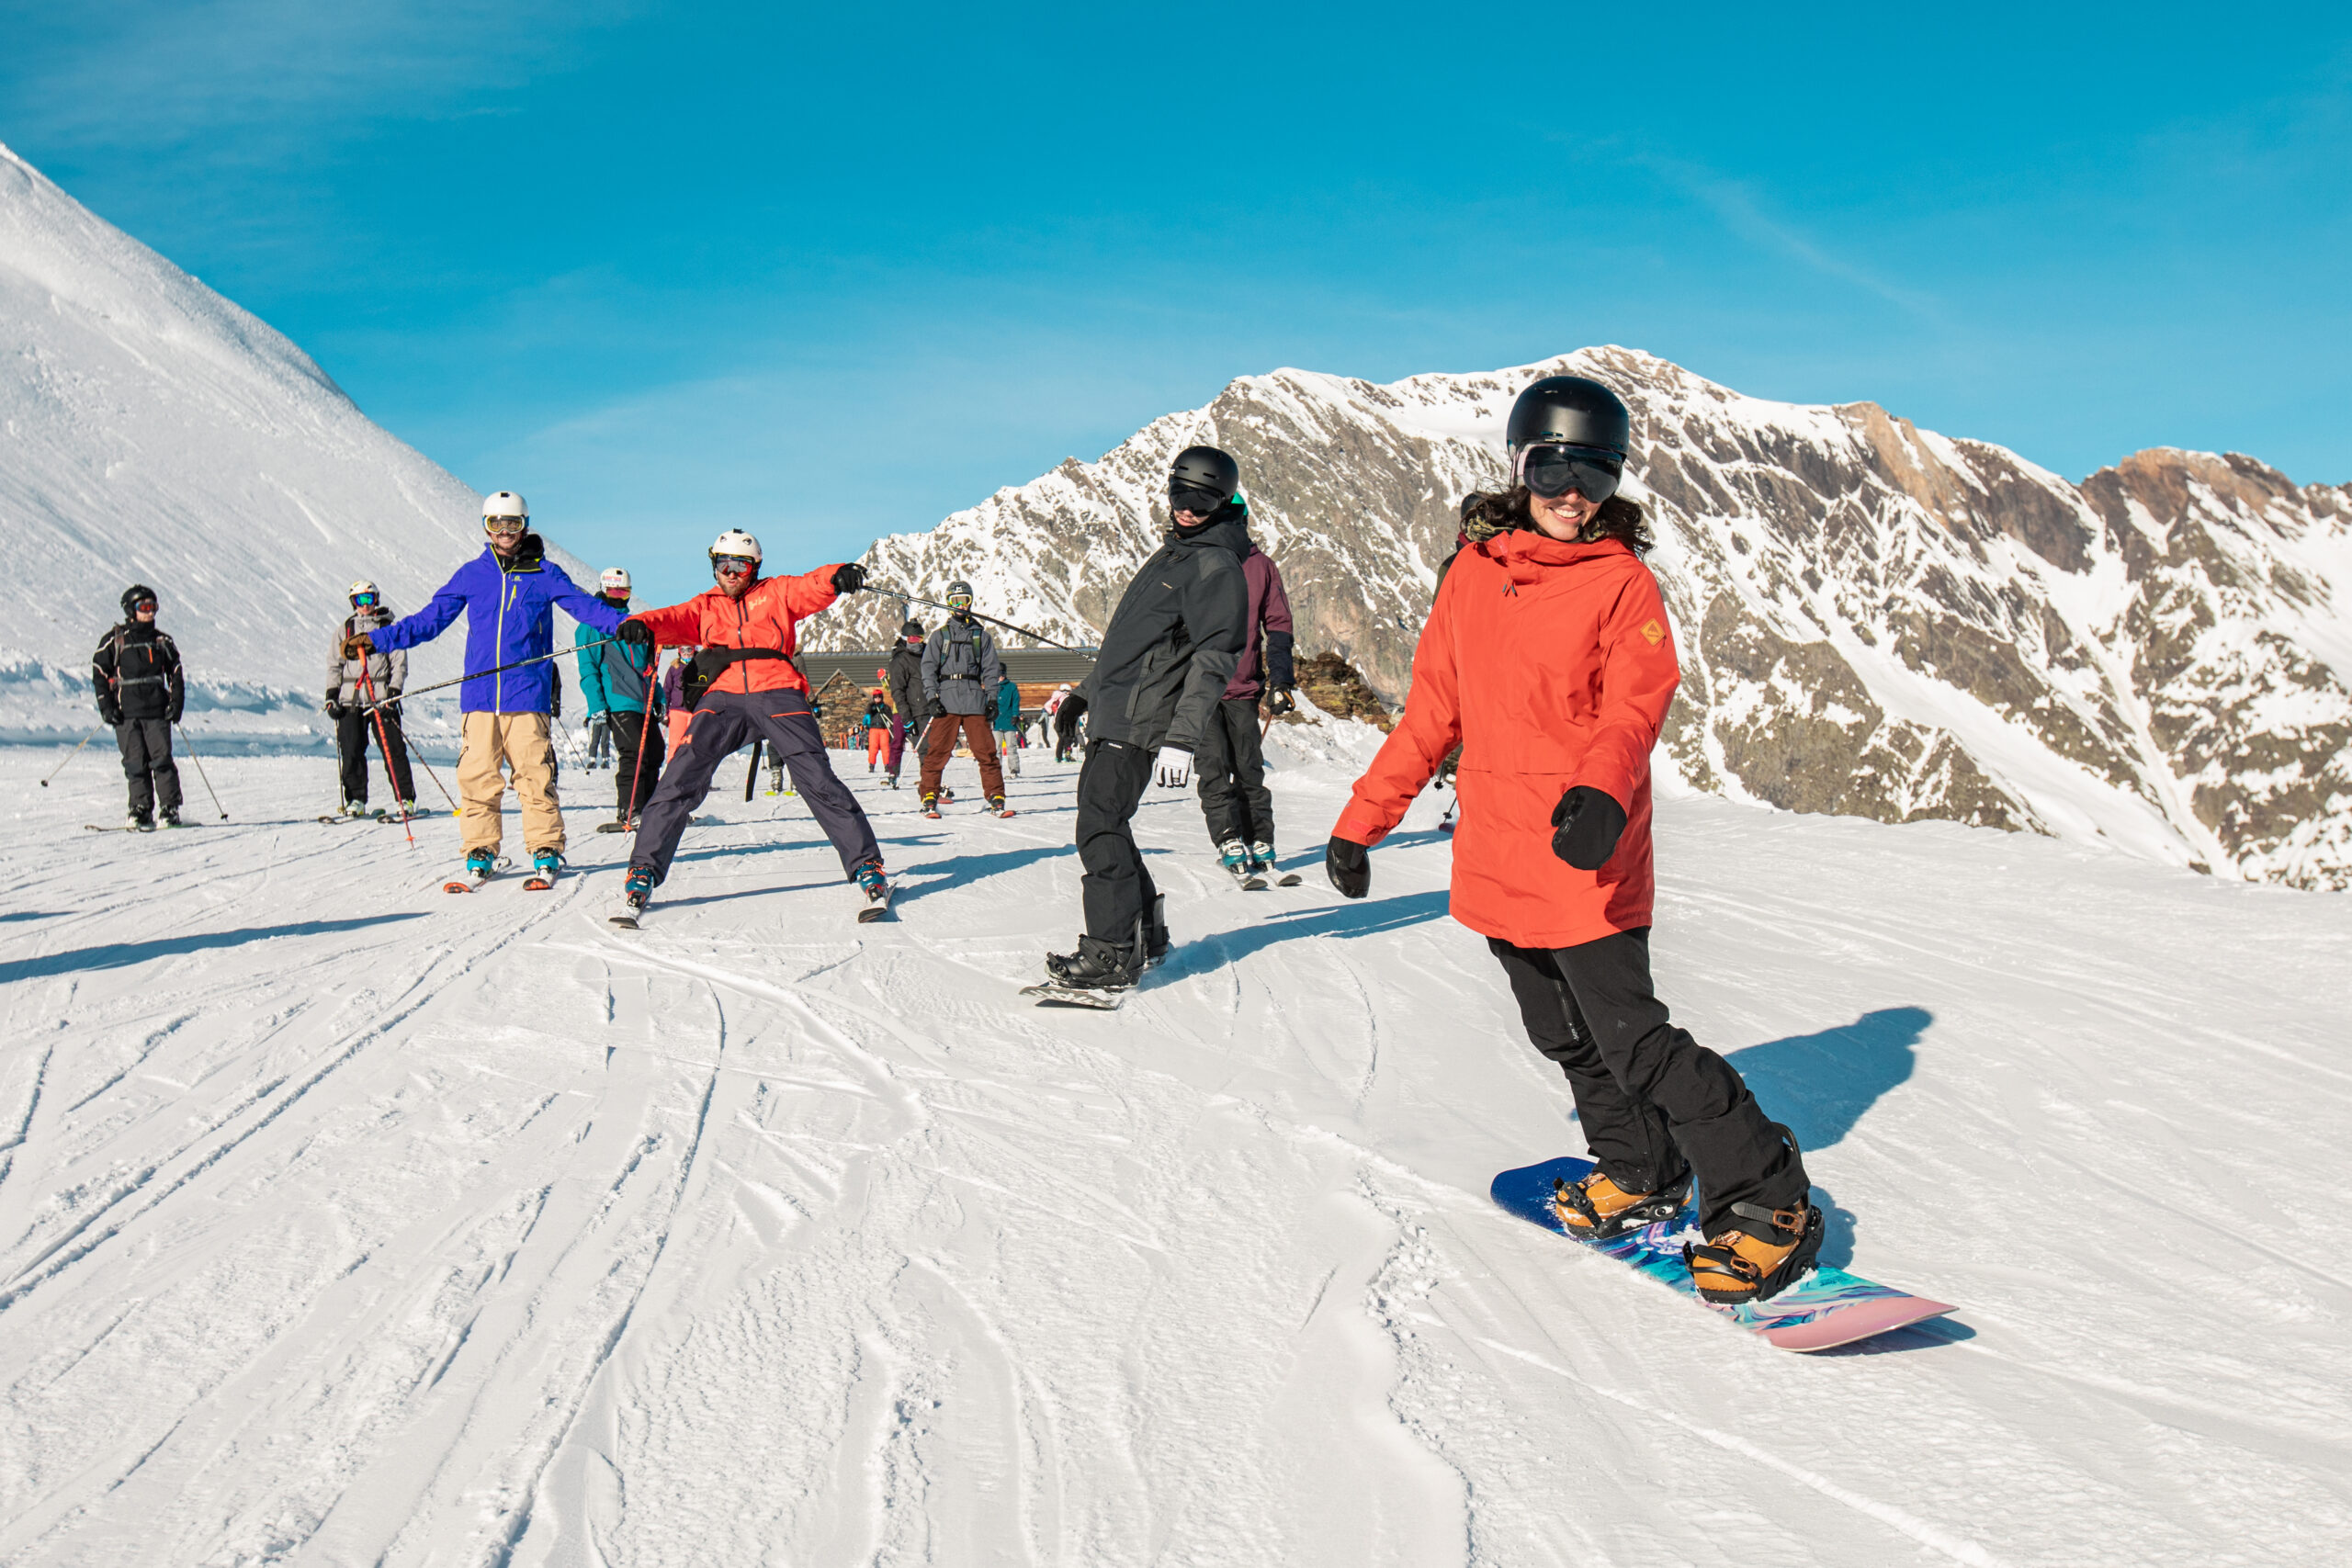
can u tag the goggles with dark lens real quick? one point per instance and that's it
(503, 525)
(365, 600)
(142, 605)
(732, 565)
(1195, 500)
(1553, 471)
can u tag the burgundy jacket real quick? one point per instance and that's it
(1265, 661)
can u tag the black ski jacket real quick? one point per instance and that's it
(1174, 641)
(136, 674)
(906, 683)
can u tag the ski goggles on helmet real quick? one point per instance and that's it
(734, 566)
(504, 526)
(139, 605)
(959, 601)
(367, 601)
(1195, 499)
(1552, 471)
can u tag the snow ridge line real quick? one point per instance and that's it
(1959, 1549)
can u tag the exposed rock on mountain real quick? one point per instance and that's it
(1873, 619)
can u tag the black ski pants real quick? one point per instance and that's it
(1233, 797)
(641, 767)
(1116, 888)
(354, 730)
(1654, 1101)
(722, 722)
(147, 763)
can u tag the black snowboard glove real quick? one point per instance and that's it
(636, 633)
(849, 579)
(1349, 865)
(331, 709)
(112, 717)
(1283, 701)
(1587, 824)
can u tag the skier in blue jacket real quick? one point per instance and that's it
(508, 594)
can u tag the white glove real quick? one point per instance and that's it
(1175, 767)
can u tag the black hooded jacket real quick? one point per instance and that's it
(1174, 640)
(906, 683)
(136, 673)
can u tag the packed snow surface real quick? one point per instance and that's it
(344, 1221)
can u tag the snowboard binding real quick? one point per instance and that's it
(1597, 1209)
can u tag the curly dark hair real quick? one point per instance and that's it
(1486, 513)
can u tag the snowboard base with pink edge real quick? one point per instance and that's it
(1825, 1309)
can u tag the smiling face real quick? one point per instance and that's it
(1561, 516)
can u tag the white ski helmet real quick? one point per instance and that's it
(735, 542)
(614, 581)
(363, 586)
(505, 503)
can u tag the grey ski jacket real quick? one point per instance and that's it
(960, 669)
(387, 671)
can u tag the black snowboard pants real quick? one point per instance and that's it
(1233, 797)
(353, 732)
(1116, 888)
(147, 763)
(722, 722)
(640, 768)
(1654, 1101)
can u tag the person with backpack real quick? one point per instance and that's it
(348, 694)
(1549, 658)
(750, 689)
(961, 675)
(509, 596)
(136, 676)
(907, 700)
(617, 682)
(1167, 658)
(1008, 726)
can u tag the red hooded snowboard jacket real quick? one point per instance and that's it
(1551, 664)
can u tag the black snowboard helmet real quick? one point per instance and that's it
(1202, 480)
(133, 596)
(1569, 432)
(913, 628)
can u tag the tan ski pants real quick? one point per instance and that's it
(496, 743)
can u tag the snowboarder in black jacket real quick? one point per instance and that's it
(913, 709)
(1167, 656)
(136, 675)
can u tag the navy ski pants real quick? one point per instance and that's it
(721, 723)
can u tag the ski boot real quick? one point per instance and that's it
(354, 809)
(1233, 855)
(947, 797)
(546, 866)
(996, 805)
(1262, 861)
(169, 818)
(1102, 968)
(636, 892)
(1597, 1208)
(1761, 1254)
(135, 823)
(890, 780)
(930, 806)
(1155, 933)
(877, 891)
(482, 864)
(408, 809)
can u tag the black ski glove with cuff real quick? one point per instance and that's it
(849, 579)
(636, 633)
(1283, 699)
(331, 709)
(1587, 823)
(1349, 865)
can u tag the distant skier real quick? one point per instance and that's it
(347, 694)
(1232, 763)
(878, 723)
(750, 689)
(960, 677)
(1549, 658)
(617, 682)
(1067, 717)
(680, 691)
(1008, 725)
(906, 695)
(1166, 656)
(135, 674)
(508, 594)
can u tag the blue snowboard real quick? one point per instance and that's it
(1828, 1307)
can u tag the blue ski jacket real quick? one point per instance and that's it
(509, 609)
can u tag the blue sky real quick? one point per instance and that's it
(832, 272)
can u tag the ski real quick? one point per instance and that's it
(627, 917)
(874, 909)
(1826, 1308)
(114, 828)
(473, 880)
(542, 877)
(616, 826)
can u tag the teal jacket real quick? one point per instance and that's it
(609, 679)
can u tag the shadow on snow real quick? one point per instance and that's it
(122, 954)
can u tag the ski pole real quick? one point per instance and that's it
(752, 773)
(418, 758)
(199, 770)
(75, 753)
(645, 730)
(1008, 626)
(501, 669)
(367, 688)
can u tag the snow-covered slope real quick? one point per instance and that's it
(151, 431)
(343, 1222)
(1875, 619)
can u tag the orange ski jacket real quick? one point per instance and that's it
(764, 617)
(1551, 664)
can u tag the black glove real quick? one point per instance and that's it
(1283, 701)
(111, 717)
(1589, 824)
(849, 579)
(331, 709)
(1349, 865)
(388, 710)
(636, 633)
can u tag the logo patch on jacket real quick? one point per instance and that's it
(1656, 633)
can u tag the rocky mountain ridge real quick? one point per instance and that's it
(1875, 619)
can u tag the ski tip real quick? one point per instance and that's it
(457, 887)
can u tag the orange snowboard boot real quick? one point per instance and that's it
(1741, 1265)
(1597, 1208)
